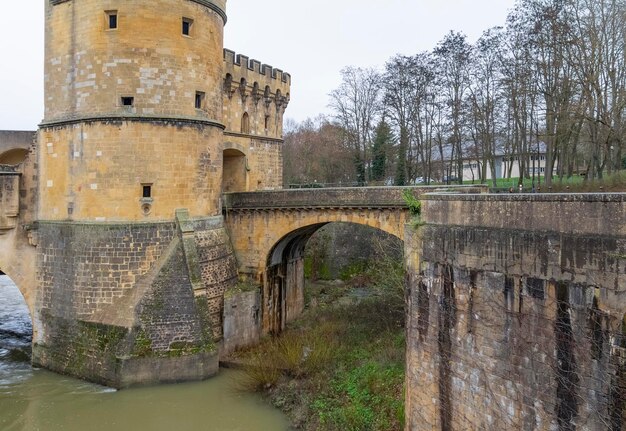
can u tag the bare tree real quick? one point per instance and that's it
(357, 104)
(453, 57)
(484, 94)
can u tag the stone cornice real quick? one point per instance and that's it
(259, 137)
(206, 3)
(133, 118)
(213, 7)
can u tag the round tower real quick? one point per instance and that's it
(133, 109)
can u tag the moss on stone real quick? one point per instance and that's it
(143, 345)
(204, 316)
(242, 286)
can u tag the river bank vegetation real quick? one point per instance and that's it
(341, 366)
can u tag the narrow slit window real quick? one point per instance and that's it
(267, 122)
(146, 191)
(128, 101)
(111, 19)
(187, 24)
(199, 102)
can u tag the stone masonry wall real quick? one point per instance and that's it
(218, 267)
(262, 165)
(516, 314)
(96, 171)
(115, 300)
(255, 89)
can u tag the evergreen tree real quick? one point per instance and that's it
(382, 142)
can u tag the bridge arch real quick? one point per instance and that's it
(284, 278)
(10, 283)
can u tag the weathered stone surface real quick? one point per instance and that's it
(242, 320)
(515, 315)
(111, 293)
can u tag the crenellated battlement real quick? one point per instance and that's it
(255, 96)
(242, 65)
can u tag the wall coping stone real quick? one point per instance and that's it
(528, 197)
(597, 214)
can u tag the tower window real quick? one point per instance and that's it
(128, 101)
(111, 19)
(199, 102)
(187, 24)
(267, 122)
(146, 190)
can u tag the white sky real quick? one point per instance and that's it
(312, 40)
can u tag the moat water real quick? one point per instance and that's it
(37, 400)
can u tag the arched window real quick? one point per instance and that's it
(245, 123)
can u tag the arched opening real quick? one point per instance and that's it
(235, 171)
(327, 251)
(13, 157)
(283, 292)
(245, 123)
(16, 332)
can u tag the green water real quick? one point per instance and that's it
(32, 400)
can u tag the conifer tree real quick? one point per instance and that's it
(382, 142)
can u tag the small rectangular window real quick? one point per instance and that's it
(187, 24)
(199, 99)
(147, 190)
(128, 101)
(111, 19)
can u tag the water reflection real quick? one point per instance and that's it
(38, 400)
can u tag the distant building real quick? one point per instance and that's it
(507, 165)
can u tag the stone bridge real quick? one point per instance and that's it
(269, 231)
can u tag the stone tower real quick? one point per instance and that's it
(133, 110)
(132, 256)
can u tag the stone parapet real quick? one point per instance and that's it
(358, 197)
(591, 213)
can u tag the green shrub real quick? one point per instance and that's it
(259, 373)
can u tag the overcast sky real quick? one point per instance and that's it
(311, 40)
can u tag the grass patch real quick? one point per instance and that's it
(575, 184)
(339, 367)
